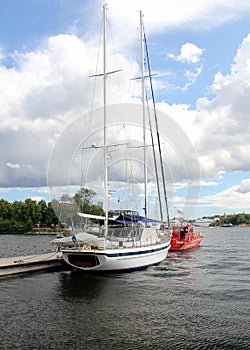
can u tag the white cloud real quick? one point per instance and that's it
(49, 88)
(223, 142)
(42, 95)
(229, 199)
(189, 53)
(161, 14)
(13, 165)
(191, 76)
(244, 186)
(2, 53)
(219, 128)
(208, 183)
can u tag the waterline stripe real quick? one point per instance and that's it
(113, 255)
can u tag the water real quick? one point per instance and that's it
(194, 300)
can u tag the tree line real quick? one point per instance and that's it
(22, 217)
(234, 219)
(30, 215)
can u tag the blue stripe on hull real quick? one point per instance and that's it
(113, 255)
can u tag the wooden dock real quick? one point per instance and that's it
(29, 263)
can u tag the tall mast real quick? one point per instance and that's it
(105, 201)
(144, 116)
(105, 146)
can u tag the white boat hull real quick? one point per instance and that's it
(113, 260)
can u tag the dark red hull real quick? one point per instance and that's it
(184, 238)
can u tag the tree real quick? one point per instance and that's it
(18, 210)
(32, 211)
(51, 217)
(5, 209)
(241, 219)
(19, 217)
(84, 199)
(5, 226)
(43, 210)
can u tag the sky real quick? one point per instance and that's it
(200, 53)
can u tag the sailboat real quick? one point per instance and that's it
(127, 241)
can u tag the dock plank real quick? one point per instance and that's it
(28, 263)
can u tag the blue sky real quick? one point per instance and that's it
(200, 53)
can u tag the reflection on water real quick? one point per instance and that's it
(179, 268)
(84, 287)
(198, 299)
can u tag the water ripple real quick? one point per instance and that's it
(193, 300)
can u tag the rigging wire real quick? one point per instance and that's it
(84, 157)
(157, 132)
(155, 162)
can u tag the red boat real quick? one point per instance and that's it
(184, 238)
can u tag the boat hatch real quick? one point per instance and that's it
(84, 260)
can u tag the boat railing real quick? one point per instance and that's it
(117, 239)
